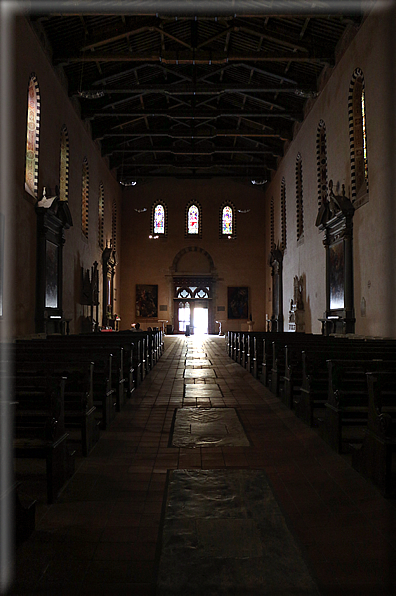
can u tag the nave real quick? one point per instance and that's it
(110, 531)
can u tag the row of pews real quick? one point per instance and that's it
(343, 385)
(66, 390)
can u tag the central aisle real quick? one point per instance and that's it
(106, 533)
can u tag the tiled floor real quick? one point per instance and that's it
(102, 536)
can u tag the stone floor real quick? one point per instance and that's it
(105, 534)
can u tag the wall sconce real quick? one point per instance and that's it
(151, 237)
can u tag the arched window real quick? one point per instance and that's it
(159, 217)
(193, 219)
(101, 217)
(227, 220)
(64, 165)
(85, 197)
(114, 226)
(283, 214)
(321, 156)
(32, 137)
(299, 198)
(358, 139)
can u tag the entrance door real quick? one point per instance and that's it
(184, 316)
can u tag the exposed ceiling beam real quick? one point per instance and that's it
(183, 58)
(199, 89)
(220, 133)
(193, 152)
(186, 114)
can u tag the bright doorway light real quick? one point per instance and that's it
(200, 321)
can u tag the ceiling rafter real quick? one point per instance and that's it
(195, 96)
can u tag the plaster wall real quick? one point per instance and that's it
(372, 51)
(79, 252)
(238, 262)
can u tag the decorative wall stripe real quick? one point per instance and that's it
(283, 215)
(321, 159)
(32, 136)
(101, 216)
(299, 197)
(114, 225)
(223, 234)
(85, 197)
(64, 165)
(357, 138)
(272, 223)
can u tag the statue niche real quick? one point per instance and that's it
(335, 220)
(275, 261)
(296, 312)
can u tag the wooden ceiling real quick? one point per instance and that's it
(198, 95)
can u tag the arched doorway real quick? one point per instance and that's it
(194, 278)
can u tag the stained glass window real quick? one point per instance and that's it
(193, 220)
(32, 137)
(159, 220)
(227, 221)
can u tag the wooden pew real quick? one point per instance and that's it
(40, 429)
(24, 517)
(286, 351)
(347, 408)
(145, 355)
(80, 412)
(105, 395)
(309, 403)
(374, 457)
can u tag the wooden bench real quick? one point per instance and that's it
(124, 339)
(40, 429)
(347, 406)
(80, 412)
(24, 516)
(374, 457)
(309, 402)
(105, 395)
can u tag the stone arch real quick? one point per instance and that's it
(189, 249)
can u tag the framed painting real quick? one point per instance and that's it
(337, 275)
(146, 301)
(238, 302)
(51, 275)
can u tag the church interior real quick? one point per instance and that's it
(197, 324)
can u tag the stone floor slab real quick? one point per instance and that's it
(208, 427)
(224, 533)
(202, 390)
(198, 362)
(199, 373)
